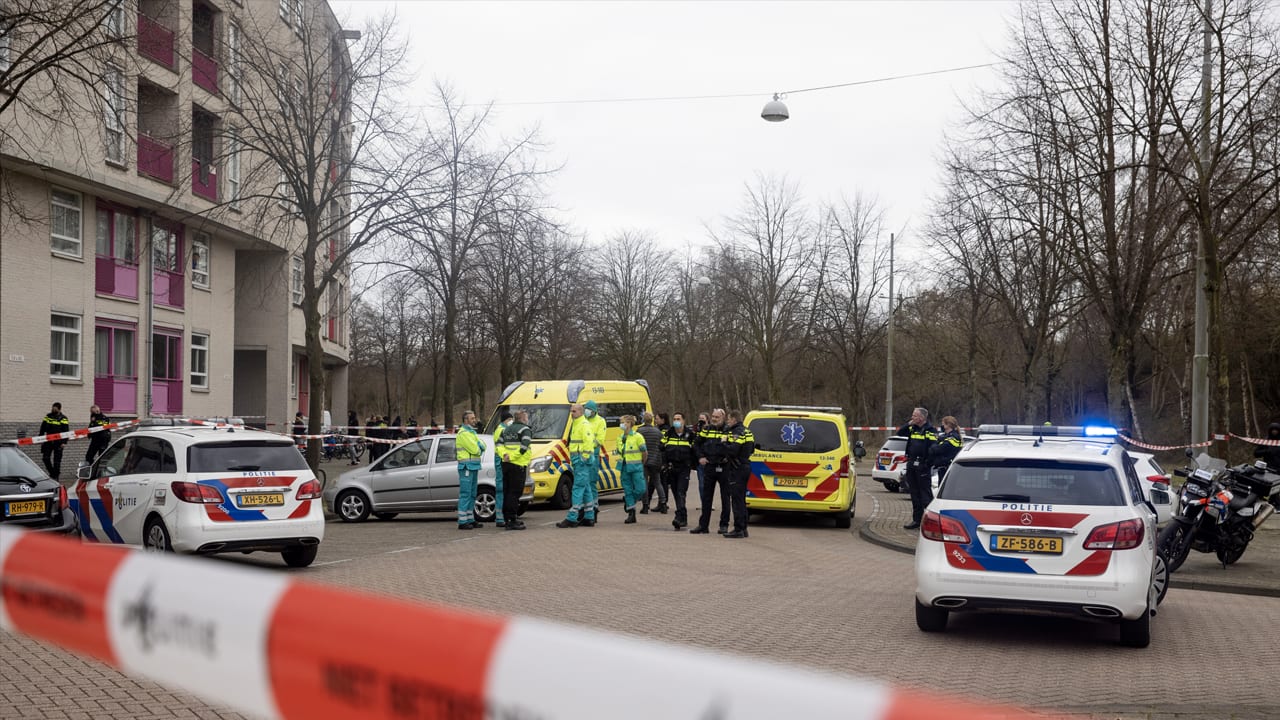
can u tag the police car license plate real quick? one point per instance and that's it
(26, 507)
(1023, 543)
(260, 499)
(790, 482)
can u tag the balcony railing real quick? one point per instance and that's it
(204, 184)
(166, 396)
(204, 71)
(116, 394)
(155, 158)
(155, 41)
(114, 276)
(168, 288)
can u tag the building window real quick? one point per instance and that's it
(64, 346)
(296, 280)
(293, 378)
(117, 235)
(297, 16)
(200, 260)
(233, 167)
(199, 361)
(4, 50)
(113, 114)
(64, 221)
(233, 62)
(114, 21)
(166, 249)
(115, 382)
(166, 371)
(168, 282)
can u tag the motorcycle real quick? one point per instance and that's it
(1221, 507)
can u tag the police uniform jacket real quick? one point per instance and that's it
(944, 451)
(712, 443)
(742, 443)
(677, 448)
(55, 422)
(919, 439)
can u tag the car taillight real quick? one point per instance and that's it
(943, 529)
(1121, 535)
(1161, 479)
(62, 498)
(309, 490)
(844, 467)
(195, 493)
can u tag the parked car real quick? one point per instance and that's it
(29, 498)
(416, 476)
(201, 489)
(891, 464)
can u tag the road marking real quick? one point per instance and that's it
(330, 562)
(393, 552)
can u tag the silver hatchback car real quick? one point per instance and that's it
(420, 475)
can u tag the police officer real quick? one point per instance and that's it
(1270, 454)
(948, 445)
(516, 452)
(469, 450)
(632, 454)
(714, 454)
(742, 444)
(920, 437)
(51, 450)
(678, 460)
(582, 448)
(498, 487)
(98, 441)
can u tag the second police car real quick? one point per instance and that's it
(202, 490)
(1047, 519)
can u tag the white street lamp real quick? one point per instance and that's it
(775, 110)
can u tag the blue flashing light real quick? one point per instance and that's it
(1100, 431)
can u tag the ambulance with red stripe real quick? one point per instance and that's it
(201, 489)
(801, 462)
(1041, 519)
(548, 404)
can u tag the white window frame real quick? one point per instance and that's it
(233, 168)
(200, 271)
(285, 10)
(296, 279)
(293, 379)
(114, 21)
(5, 62)
(72, 364)
(199, 349)
(233, 62)
(297, 16)
(113, 108)
(75, 245)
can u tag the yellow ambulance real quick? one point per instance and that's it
(801, 462)
(548, 404)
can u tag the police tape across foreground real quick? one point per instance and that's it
(251, 640)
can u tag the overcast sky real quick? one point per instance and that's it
(672, 167)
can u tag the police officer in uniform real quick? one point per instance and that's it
(51, 450)
(741, 444)
(920, 437)
(714, 455)
(678, 460)
(517, 440)
(99, 440)
(949, 444)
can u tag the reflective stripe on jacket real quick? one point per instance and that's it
(469, 446)
(582, 437)
(631, 448)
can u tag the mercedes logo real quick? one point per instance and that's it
(24, 488)
(1026, 518)
(260, 482)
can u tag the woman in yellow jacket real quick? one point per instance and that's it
(632, 452)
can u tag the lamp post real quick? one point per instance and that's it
(888, 359)
(1200, 360)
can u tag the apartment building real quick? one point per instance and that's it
(130, 275)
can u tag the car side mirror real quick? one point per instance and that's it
(84, 472)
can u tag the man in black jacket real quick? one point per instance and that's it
(920, 437)
(98, 441)
(51, 451)
(1270, 453)
(714, 453)
(742, 443)
(678, 459)
(654, 481)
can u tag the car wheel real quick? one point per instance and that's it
(352, 506)
(931, 619)
(891, 486)
(564, 493)
(300, 556)
(1175, 542)
(844, 518)
(524, 507)
(1136, 633)
(486, 505)
(385, 515)
(155, 538)
(1160, 579)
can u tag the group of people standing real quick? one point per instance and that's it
(927, 448)
(56, 422)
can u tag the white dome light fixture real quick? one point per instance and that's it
(775, 110)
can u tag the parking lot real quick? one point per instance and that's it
(798, 591)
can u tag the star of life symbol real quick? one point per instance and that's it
(793, 433)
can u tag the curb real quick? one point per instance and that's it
(866, 532)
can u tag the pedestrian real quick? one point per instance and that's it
(632, 453)
(517, 452)
(1270, 454)
(51, 450)
(411, 428)
(353, 429)
(371, 433)
(714, 454)
(653, 480)
(396, 433)
(505, 422)
(741, 444)
(470, 448)
(678, 461)
(944, 451)
(920, 437)
(99, 440)
(582, 450)
(599, 430)
(299, 425)
(663, 422)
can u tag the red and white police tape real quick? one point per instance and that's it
(75, 434)
(256, 641)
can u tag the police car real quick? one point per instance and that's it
(202, 490)
(1042, 519)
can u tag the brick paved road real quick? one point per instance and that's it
(797, 591)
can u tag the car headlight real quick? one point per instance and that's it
(540, 465)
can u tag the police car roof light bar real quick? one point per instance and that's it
(1093, 432)
(815, 408)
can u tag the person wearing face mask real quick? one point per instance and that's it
(582, 448)
(599, 429)
(678, 460)
(653, 478)
(714, 455)
(631, 453)
(741, 444)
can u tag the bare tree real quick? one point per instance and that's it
(631, 287)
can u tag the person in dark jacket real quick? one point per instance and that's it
(742, 444)
(51, 451)
(1270, 453)
(949, 443)
(678, 460)
(920, 437)
(654, 480)
(715, 454)
(98, 441)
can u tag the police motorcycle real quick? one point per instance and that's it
(1220, 509)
